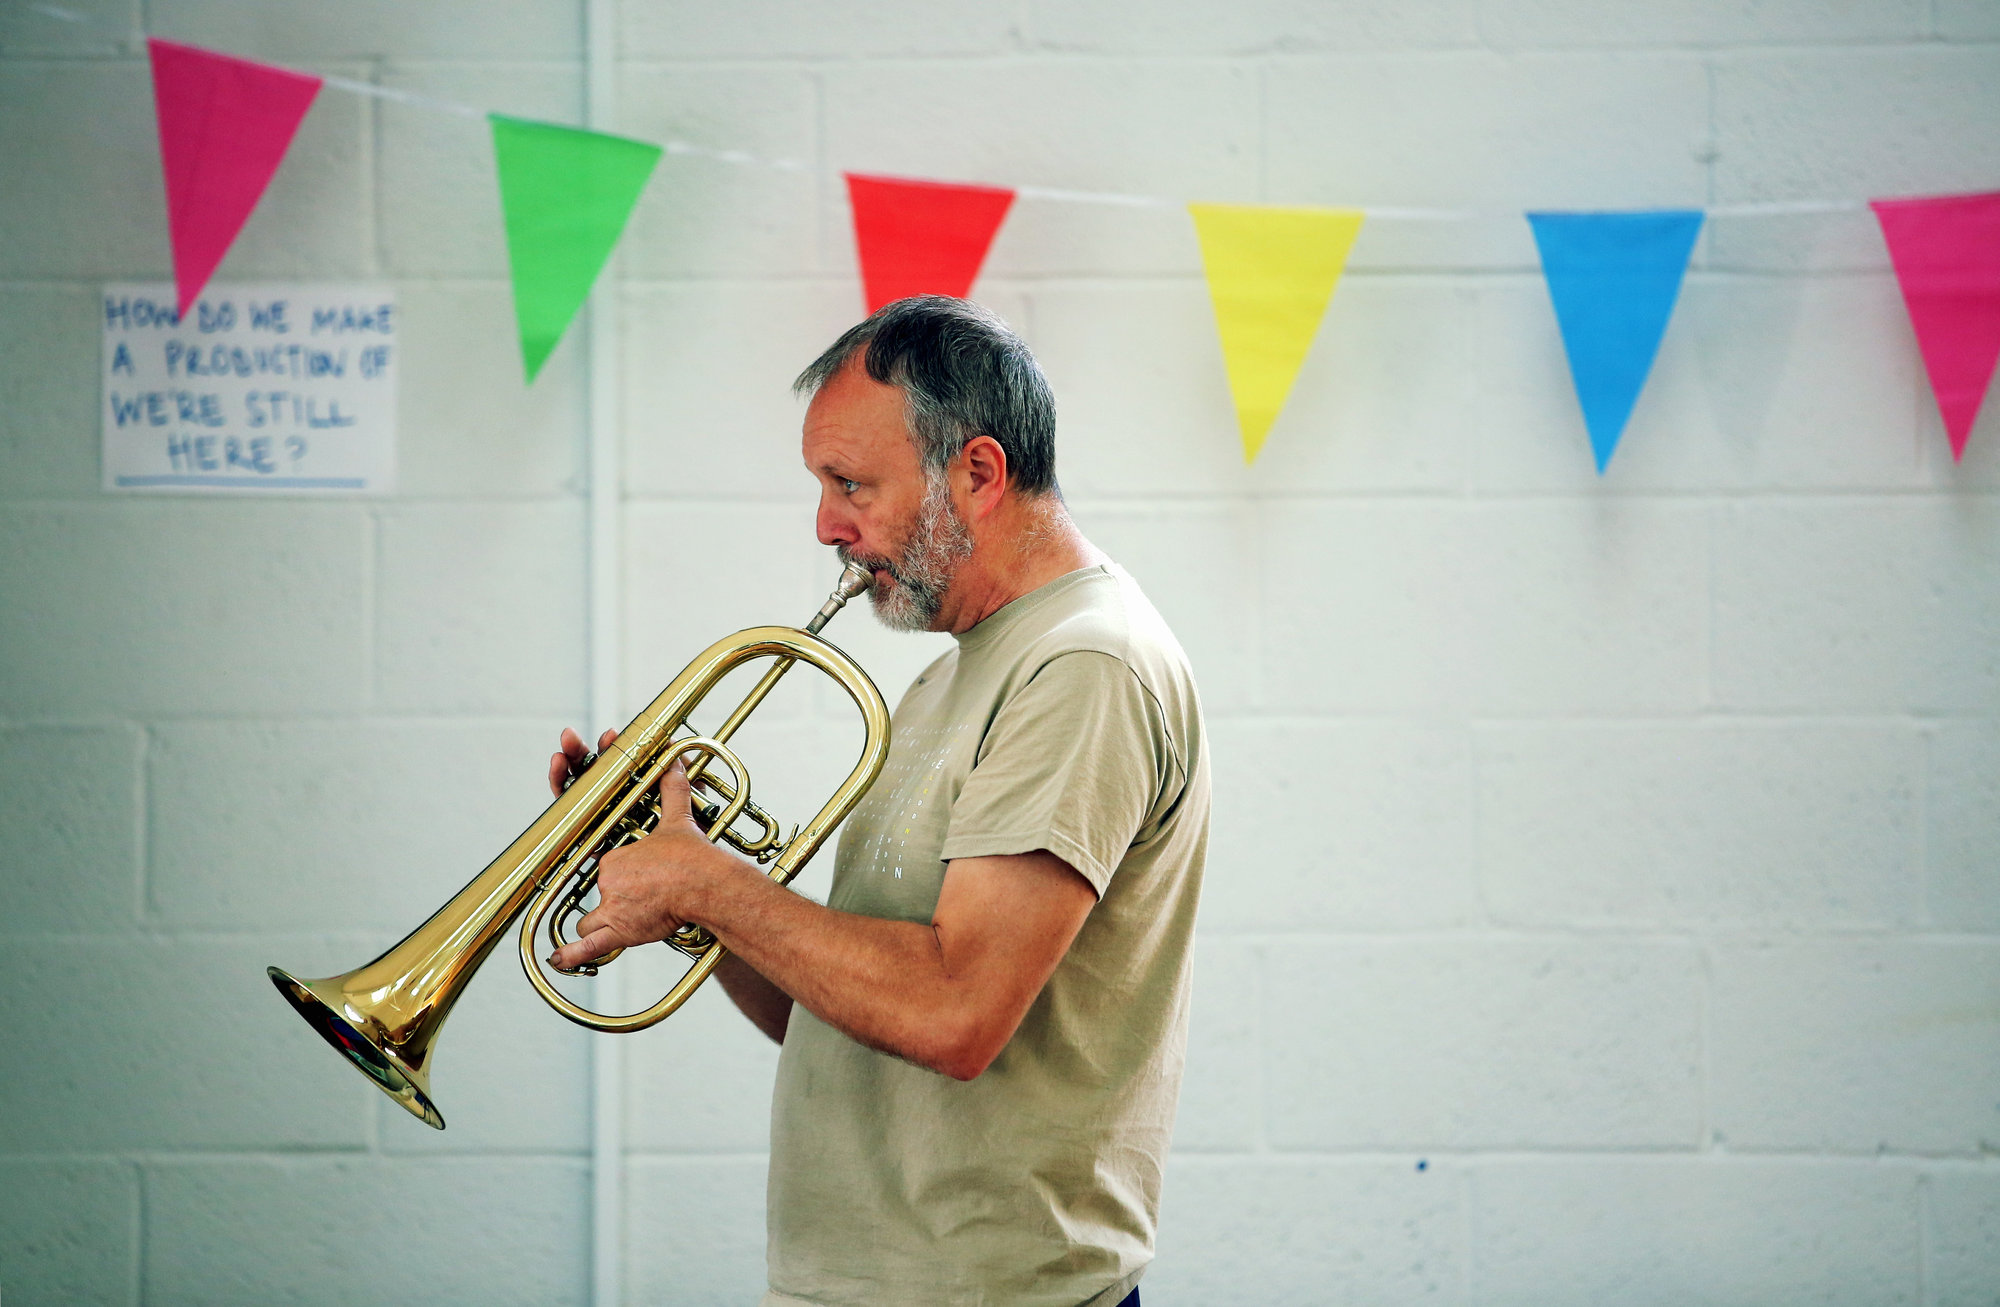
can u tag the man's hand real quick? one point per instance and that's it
(567, 763)
(645, 891)
(947, 994)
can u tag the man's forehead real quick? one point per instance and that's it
(850, 420)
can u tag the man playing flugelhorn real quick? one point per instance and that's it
(983, 1028)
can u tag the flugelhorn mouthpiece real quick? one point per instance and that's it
(854, 579)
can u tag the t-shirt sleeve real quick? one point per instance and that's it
(1074, 763)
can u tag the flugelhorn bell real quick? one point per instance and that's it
(385, 1016)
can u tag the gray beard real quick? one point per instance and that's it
(918, 581)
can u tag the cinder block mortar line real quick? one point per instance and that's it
(1701, 46)
(1263, 142)
(1692, 938)
(1021, 27)
(371, 566)
(1260, 558)
(1711, 527)
(1706, 1141)
(1919, 1163)
(471, 1152)
(92, 283)
(1706, 153)
(1312, 717)
(142, 1218)
(1260, 1037)
(142, 841)
(368, 70)
(371, 137)
(1029, 325)
(109, 503)
(1475, 1158)
(823, 237)
(1903, 45)
(1464, 341)
(996, 58)
(154, 721)
(1482, 905)
(1220, 1157)
(276, 936)
(1608, 720)
(495, 499)
(1676, 51)
(1727, 717)
(1926, 1289)
(1922, 821)
(201, 1156)
(1468, 1232)
(79, 59)
(1932, 452)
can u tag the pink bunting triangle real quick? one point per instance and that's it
(922, 238)
(225, 124)
(1946, 251)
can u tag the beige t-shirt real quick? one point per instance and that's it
(1066, 721)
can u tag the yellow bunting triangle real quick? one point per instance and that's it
(1271, 272)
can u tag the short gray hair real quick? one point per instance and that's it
(963, 373)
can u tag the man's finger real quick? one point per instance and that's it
(675, 794)
(591, 946)
(604, 740)
(558, 771)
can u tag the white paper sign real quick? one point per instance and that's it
(287, 389)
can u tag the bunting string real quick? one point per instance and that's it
(1053, 194)
(1613, 276)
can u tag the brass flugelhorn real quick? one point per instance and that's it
(385, 1016)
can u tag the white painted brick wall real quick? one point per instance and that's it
(1606, 872)
(434, 166)
(1963, 806)
(1902, 118)
(1464, 129)
(1464, 1043)
(1964, 1235)
(1678, 1230)
(1647, 825)
(1312, 1230)
(72, 1229)
(351, 1222)
(1856, 1046)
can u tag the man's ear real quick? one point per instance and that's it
(985, 466)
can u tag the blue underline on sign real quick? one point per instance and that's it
(277, 483)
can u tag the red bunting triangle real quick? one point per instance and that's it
(922, 238)
(1946, 250)
(225, 124)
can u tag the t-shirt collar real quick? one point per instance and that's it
(998, 621)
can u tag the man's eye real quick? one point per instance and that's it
(849, 487)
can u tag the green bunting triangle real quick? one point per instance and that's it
(564, 195)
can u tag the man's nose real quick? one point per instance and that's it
(832, 526)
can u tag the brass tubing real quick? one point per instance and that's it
(854, 579)
(385, 1015)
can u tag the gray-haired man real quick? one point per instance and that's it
(984, 1026)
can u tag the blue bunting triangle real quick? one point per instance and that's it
(1613, 278)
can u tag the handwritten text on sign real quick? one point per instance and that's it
(276, 388)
